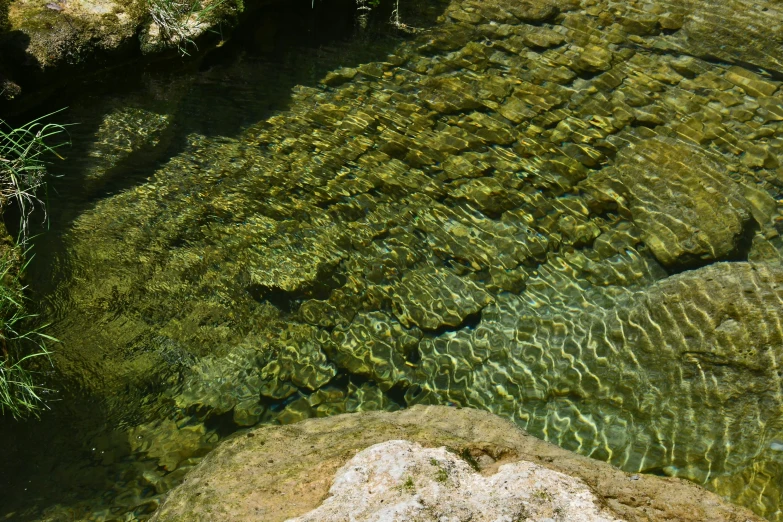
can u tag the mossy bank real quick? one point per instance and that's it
(44, 44)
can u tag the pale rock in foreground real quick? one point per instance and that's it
(277, 473)
(401, 480)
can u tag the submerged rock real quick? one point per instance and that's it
(425, 463)
(432, 298)
(688, 208)
(169, 443)
(692, 357)
(376, 346)
(730, 30)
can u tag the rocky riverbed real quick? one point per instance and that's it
(563, 212)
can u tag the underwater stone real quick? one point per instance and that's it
(123, 132)
(368, 397)
(508, 280)
(532, 11)
(750, 82)
(772, 107)
(248, 413)
(169, 443)
(732, 31)
(488, 129)
(487, 194)
(672, 377)
(395, 177)
(432, 298)
(296, 361)
(340, 76)
(219, 383)
(468, 165)
(296, 411)
(375, 345)
(687, 207)
(516, 110)
(640, 24)
(467, 235)
(275, 370)
(543, 37)
(447, 95)
(339, 309)
(592, 59)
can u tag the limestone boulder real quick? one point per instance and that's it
(423, 463)
(409, 482)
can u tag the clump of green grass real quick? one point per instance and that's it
(179, 20)
(23, 168)
(22, 172)
(442, 476)
(20, 346)
(408, 486)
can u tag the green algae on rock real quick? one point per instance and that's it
(69, 32)
(685, 203)
(74, 32)
(626, 383)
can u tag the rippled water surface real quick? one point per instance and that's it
(565, 213)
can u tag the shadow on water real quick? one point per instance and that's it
(75, 452)
(219, 93)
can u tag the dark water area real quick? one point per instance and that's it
(568, 216)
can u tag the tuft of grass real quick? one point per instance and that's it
(465, 455)
(364, 7)
(23, 154)
(442, 476)
(179, 20)
(408, 486)
(23, 166)
(21, 346)
(543, 495)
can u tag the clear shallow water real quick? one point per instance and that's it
(479, 214)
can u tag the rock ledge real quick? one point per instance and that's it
(276, 473)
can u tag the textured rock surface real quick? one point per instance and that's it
(607, 381)
(685, 203)
(276, 473)
(57, 31)
(400, 480)
(753, 34)
(68, 33)
(433, 298)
